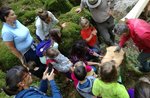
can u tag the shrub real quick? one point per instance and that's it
(7, 59)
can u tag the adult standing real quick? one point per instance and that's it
(100, 13)
(139, 31)
(18, 39)
(45, 21)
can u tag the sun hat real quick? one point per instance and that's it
(93, 3)
(43, 46)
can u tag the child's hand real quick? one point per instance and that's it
(63, 25)
(94, 32)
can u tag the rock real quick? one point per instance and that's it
(122, 7)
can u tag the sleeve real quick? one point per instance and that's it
(39, 30)
(83, 4)
(85, 95)
(122, 92)
(54, 19)
(7, 36)
(55, 91)
(146, 39)
(43, 86)
(123, 40)
(96, 88)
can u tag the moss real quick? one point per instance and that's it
(7, 59)
(56, 5)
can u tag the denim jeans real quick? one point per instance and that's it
(143, 59)
(30, 55)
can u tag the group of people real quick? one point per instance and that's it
(78, 66)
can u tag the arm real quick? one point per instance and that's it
(93, 63)
(82, 6)
(43, 86)
(11, 46)
(39, 29)
(123, 40)
(54, 19)
(55, 91)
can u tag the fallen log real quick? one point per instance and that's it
(136, 10)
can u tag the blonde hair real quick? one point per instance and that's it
(83, 21)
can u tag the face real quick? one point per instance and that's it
(11, 17)
(84, 22)
(47, 20)
(27, 79)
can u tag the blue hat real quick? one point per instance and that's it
(42, 46)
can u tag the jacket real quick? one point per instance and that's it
(139, 32)
(85, 89)
(34, 92)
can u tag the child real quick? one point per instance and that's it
(89, 34)
(84, 86)
(81, 52)
(89, 70)
(53, 56)
(107, 86)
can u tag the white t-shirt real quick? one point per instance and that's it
(42, 28)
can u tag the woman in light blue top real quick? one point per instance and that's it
(18, 39)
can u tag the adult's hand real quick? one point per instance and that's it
(78, 10)
(45, 74)
(118, 48)
(51, 75)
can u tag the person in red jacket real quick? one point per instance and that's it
(89, 34)
(139, 31)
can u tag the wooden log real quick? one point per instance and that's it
(136, 10)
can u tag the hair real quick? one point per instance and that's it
(13, 77)
(54, 35)
(80, 71)
(52, 53)
(82, 22)
(108, 72)
(31, 65)
(142, 88)
(43, 14)
(4, 12)
(121, 28)
(79, 49)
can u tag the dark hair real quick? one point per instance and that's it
(108, 72)
(31, 65)
(80, 72)
(142, 88)
(121, 28)
(79, 49)
(13, 77)
(54, 35)
(43, 14)
(4, 12)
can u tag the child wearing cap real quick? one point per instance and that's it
(85, 79)
(89, 34)
(107, 86)
(53, 56)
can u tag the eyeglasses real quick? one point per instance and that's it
(26, 75)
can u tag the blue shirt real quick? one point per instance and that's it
(33, 92)
(19, 34)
